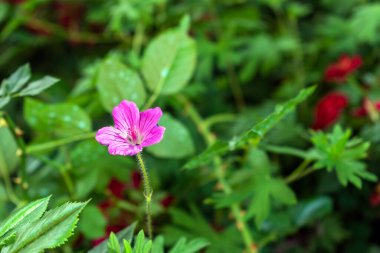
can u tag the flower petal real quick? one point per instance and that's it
(123, 148)
(106, 135)
(149, 120)
(126, 116)
(154, 136)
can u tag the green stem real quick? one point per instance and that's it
(62, 170)
(155, 94)
(57, 143)
(22, 147)
(138, 38)
(285, 150)
(219, 118)
(235, 87)
(210, 138)
(148, 192)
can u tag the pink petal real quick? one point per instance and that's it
(126, 116)
(106, 135)
(149, 120)
(123, 148)
(154, 136)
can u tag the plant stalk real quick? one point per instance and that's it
(148, 192)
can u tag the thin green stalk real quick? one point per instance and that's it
(148, 192)
(219, 118)
(62, 170)
(57, 143)
(155, 94)
(21, 145)
(138, 38)
(285, 150)
(220, 173)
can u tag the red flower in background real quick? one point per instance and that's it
(338, 71)
(329, 109)
(365, 108)
(374, 200)
(116, 187)
(167, 201)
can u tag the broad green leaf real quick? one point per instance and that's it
(56, 120)
(38, 86)
(92, 223)
(116, 82)
(8, 149)
(18, 79)
(4, 8)
(307, 212)
(28, 213)
(177, 142)
(125, 234)
(51, 231)
(113, 244)
(365, 23)
(158, 245)
(253, 136)
(4, 101)
(169, 61)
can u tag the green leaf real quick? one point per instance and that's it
(158, 245)
(38, 86)
(307, 212)
(336, 151)
(116, 82)
(191, 247)
(177, 141)
(254, 135)
(4, 8)
(18, 79)
(169, 61)
(127, 247)
(8, 148)
(56, 120)
(113, 244)
(28, 213)
(125, 234)
(139, 243)
(4, 101)
(92, 224)
(51, 231)
(366, 22)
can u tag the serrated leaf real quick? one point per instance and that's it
(254, 135)
(169, 61)
(113, 244)
(51, 231)
(57, 120)
(336, 151)
(21, 216)
(177, 141)
(127, 247)
(125, 234)
(116, 82)
(139, 243)
(38, 86)
(182, 246)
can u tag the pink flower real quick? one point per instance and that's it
(133, 129)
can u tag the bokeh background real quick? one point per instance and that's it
(250, 56)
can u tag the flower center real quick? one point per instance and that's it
(132, 136)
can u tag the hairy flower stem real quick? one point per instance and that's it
(210, 139)
(148, 192)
